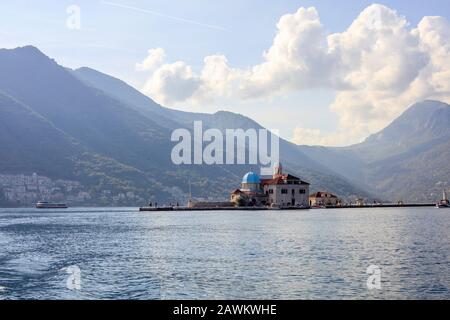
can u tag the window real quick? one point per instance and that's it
(284, 191)
(302, 191)
(270, 191)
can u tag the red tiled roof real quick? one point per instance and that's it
(321, 194)
(280, 179)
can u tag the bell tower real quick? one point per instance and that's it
(277, 169)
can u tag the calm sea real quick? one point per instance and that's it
(125, 254)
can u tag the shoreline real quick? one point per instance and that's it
(167, 208)
(412, 205)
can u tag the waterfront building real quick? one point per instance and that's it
(251, 192)
(283, 190)
(323, 199)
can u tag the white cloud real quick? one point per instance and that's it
(172, 83)
(378, 67)
(154, 59)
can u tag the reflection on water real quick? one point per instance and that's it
(125, 254)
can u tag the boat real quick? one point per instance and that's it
(444, 203)
(50, 205)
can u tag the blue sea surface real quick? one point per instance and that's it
(315, 254)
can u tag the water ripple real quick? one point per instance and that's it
(320, 254)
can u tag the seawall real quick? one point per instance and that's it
(412, 205)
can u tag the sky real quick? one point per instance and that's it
(321, 72)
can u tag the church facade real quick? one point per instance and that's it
(281, 190)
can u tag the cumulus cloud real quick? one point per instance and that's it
(154, 59)
(172, 83)
(378, 67)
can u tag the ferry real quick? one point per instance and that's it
(50, 205)
(444, 203)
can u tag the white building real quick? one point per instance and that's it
(283, 190)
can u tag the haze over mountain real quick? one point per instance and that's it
(409, 160)
(91, 128)
(85, 126)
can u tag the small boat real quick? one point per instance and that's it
(50, 205)
(444, 203)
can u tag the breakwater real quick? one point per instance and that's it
(411, 205)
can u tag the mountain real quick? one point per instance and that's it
(408, 160)
(295, 160)
(119, 90)
(100, 124)
(97, 139)
(30, 143)
(423, 125)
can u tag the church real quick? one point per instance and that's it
(281, 190)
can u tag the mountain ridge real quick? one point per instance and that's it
(124, 137)
(221, 120)
(401, 162)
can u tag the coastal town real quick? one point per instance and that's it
(282, 190)
(25, 190)
(22, 189)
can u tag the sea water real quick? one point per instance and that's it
(121, 253)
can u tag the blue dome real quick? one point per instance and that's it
(251, 177)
